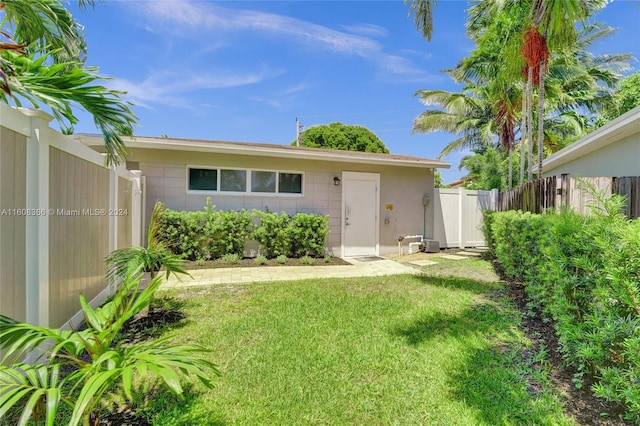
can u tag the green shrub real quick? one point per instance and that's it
(282, 259)
(488, 217)
(230, 258)
(307, 234)
(206, 234)
(211, 234)
(307, 260)
(584, 273)
(273, 234)
(260, 260)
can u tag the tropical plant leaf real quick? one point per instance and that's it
(33, 382)
(91, 392)
(62, 86)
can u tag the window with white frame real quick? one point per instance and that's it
(233, 180)
(203, 179)
(262, 181)
(259, 182)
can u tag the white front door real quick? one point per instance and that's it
(360, 206)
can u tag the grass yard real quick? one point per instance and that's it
(430, 350)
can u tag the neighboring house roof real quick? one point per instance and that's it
(615, 130)
(458, 183)
(267, 150)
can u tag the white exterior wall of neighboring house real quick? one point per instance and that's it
(611, 150)
(403, 181)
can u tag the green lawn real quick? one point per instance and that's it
(406, 350)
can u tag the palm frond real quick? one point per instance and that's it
(423, 16)
(64, 85)
(36, 387)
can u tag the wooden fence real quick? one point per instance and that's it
(554, 192)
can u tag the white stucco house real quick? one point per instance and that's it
(371, 199)
(611, 150)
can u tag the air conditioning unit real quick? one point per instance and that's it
(430, 246)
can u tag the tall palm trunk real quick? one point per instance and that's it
(510, 167)
(541, 118)
(530, 125)
(523, 130)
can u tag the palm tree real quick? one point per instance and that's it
(423, 16)
(486, 110)
(42, 60)
(468, 114)
(552, 27)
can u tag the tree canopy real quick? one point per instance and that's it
(625, 98)
(344, 137)
(495, 106)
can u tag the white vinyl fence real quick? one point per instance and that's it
(458, 216)
(61, 212)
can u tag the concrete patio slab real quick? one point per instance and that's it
(221, 276)
(453, 257)
(423, 263)
(469, 253)
(478, 249)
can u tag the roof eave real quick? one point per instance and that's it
(262, 151)
(615, 130)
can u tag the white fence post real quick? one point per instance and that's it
(113, 205)
(461, 195)
(136, 207)
(37, 225)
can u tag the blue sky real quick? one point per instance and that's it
(244, 70)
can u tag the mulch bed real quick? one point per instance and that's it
(249, 262)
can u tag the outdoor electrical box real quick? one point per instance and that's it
(425, 200)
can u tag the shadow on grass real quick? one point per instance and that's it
(460, 283)
(432, 325)
(159, 405)
(163, 407)
(166, 313)
(494, 377)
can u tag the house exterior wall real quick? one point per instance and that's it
(616, 159)
(165, 172)
(404, 188)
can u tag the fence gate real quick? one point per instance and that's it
(458, 216)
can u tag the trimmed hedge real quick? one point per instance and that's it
(212, 234)
(584, 273)
(302, 234)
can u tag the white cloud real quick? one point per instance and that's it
(195, 19)
(275, 103)
(367, 30)
(171, 88)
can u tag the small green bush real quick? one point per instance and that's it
(307, 260)
(282, 259)
(230, 258)
(260, 260)
(307, 234)
(303, 234)
(327, 259)
(273, 233)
